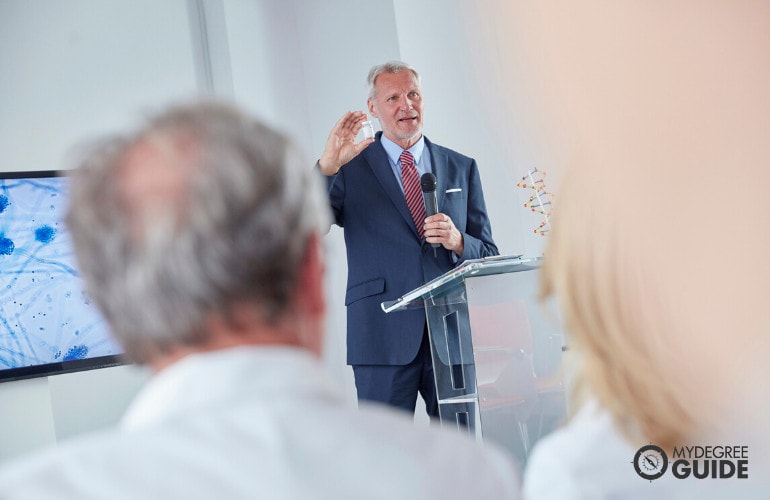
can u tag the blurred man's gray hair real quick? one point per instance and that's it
(224, 220)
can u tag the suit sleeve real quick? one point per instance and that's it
(477, 238)
(335, 187)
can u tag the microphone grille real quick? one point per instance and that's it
(428, 182)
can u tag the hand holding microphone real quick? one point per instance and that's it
(438, 226)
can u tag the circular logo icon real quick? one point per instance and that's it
(650, 462)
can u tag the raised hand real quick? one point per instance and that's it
(341, 146)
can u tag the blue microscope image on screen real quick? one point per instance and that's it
(45, 316)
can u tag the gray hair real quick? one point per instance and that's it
(234, 231)
(388, 67)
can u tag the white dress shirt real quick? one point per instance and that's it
(260, 423)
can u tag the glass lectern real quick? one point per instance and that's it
(497, 352)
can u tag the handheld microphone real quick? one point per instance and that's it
(428, 185)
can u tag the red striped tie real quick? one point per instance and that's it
(412, 191)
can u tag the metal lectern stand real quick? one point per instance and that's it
(496, 353)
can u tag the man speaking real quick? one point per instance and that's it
(375, 195)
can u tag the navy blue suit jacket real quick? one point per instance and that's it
(386, 258)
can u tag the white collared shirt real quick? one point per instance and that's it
(422, 160)
(260, 423)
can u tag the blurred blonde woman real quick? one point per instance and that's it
(658, 257)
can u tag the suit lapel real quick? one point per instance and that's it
(440, 164)
(377, 160)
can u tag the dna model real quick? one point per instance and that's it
(540, 201)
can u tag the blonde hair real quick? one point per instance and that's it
(618, 322)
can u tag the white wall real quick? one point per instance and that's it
(77, 68)
(72, 70)
(317, 56)
(42, 411)
(454, 44)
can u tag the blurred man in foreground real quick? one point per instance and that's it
(198, 237)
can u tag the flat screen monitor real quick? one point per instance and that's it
(48, 325)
